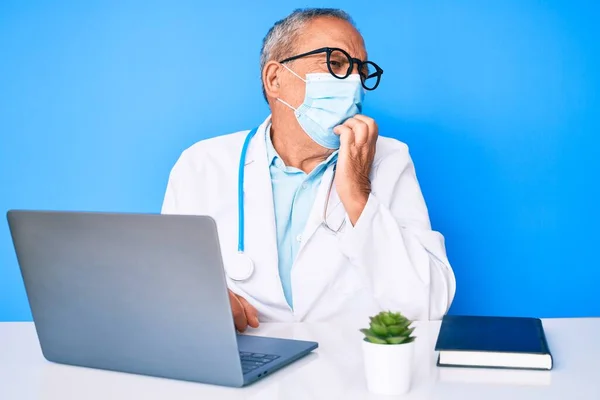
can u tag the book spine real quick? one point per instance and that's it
(544, 341)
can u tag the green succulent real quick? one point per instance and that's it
(389, 328)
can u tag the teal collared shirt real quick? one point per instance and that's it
(294, 194)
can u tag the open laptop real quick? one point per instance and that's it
(138, 293)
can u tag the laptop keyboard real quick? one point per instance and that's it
(251, 361)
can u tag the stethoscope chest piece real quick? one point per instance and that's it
(240, 267)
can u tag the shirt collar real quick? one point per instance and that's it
(271, 152)
(272, 155)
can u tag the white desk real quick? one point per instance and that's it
(334, 371)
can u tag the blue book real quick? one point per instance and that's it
(493, 342)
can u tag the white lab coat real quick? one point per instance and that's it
(390, 260)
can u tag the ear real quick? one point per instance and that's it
(270, 78)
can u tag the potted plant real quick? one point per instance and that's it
(388, 349)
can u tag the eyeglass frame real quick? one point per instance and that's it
(378, 71)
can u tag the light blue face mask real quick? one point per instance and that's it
(328, 102)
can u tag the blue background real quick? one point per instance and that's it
(498, 101)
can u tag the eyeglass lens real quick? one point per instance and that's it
(341, 65)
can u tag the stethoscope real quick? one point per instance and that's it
(243, 266)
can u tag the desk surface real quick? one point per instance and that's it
(335, 370)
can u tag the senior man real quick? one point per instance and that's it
(318, 216)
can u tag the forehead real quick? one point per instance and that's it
(331, 32)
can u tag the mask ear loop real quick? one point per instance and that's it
(283, 101)
(298, 76)
(287, 104)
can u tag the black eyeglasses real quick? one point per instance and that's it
(340, 64)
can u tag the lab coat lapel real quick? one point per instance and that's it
(317, 262)
(335, 211)
(260, 229)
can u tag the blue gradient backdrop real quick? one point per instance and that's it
(498, 101)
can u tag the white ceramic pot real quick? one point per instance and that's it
(388, 367)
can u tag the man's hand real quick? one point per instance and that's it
(358, 136)
(244, 313)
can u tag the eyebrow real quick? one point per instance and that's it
(353, 56)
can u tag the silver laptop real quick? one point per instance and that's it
(138, 293)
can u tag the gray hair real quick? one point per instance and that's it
(281, 38)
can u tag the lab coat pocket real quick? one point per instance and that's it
(347, 281)
(346, 294)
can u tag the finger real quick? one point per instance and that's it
(360, 129)
(250, 311)
(364, 118)
(373, 129)
(239, 315)
(345, 133)
(342, 129)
